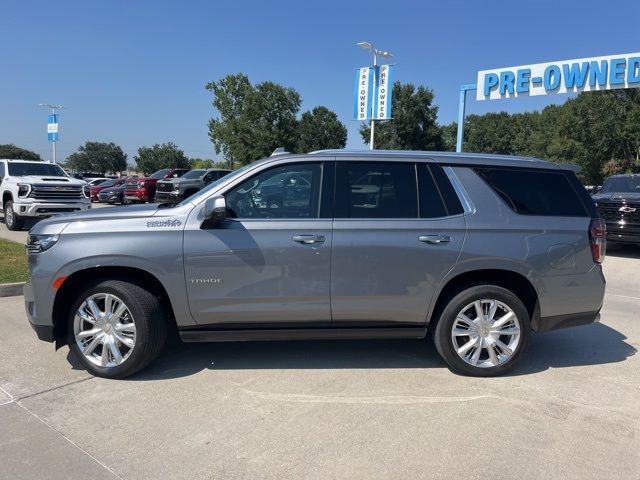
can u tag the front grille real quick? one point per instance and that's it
(164, 187)
(56, 192)
(131, 186)
(610, 212)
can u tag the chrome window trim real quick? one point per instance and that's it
(467, 205)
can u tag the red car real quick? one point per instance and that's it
(96, 189)
(144, 189)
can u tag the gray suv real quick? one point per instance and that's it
(478, 251)
(176, 189)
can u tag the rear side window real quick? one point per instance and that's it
(534, 192)
(376, 190)
(431, 203)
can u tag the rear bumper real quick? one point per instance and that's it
(47, 209)
(546, 324)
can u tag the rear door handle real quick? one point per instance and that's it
(308, 238)
(435, 239)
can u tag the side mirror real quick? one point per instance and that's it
(214, 210)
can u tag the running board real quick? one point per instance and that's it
(300, 334)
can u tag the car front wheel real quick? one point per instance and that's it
(11, 219)
(483, 331)
(116, 328)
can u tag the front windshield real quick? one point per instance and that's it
(621, 185)
(108, 183)
(205, 191)
(21, 169)
(194, 174)
(160, 174)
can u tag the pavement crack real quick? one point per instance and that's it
(37, 417)
(50, 389)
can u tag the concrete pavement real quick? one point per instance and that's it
(342, 409)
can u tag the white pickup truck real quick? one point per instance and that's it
(30, 189)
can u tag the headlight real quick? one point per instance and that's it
(141, 184)
(41, 243)
(86, 189)
(24, 189)
(176, 187)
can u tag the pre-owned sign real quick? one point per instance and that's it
(583, 74)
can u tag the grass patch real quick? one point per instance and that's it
(14, 266)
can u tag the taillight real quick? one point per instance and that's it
(598, 238)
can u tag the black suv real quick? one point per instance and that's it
(618, 203)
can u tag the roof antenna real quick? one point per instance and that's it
(279, 151)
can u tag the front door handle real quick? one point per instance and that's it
(308, 238)
(435, 239)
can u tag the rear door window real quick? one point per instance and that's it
(376, 190)
(535, 192)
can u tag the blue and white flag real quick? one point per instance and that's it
(52, 128)
(363, 93)
(384, 89)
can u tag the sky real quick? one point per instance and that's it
(134, 72)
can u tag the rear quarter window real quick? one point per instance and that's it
(535, 192)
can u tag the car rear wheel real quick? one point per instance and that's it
(11, 219)
(483, 331)
(116, 328)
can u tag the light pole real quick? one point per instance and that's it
(369, 46)
(53, 112)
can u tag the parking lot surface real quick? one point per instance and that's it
(339, 409)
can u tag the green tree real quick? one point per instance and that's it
(167, 155)
(98, 157)
(252, 120)
(11, 152)
(207, 163)
(449, 137)
(320, 129)
(413, 126)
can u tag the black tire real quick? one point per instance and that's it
(150, 323)
(11, 219)
(442, 336)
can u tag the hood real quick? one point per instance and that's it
(51, 180)
(621, 197)
(112, 189)
(173, 181)
(56, 225)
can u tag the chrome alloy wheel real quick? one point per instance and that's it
(9, 217)
(104, 330)
(486, 333)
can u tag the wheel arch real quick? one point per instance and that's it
(515, 282)
(73, 283)
(6, 197)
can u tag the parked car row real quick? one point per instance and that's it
(618, 203)
(164, 186)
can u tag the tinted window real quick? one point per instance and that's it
(194, 174)
(1, 170)
(531, 192)
(449, 195)
(431, 203)
(621, 185)
(19, 169)
(376, 190)
(290, 191)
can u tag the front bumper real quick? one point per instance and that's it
(42, 326)
(140, 195)
(623, 233)
(172, 196)
(47, 209)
